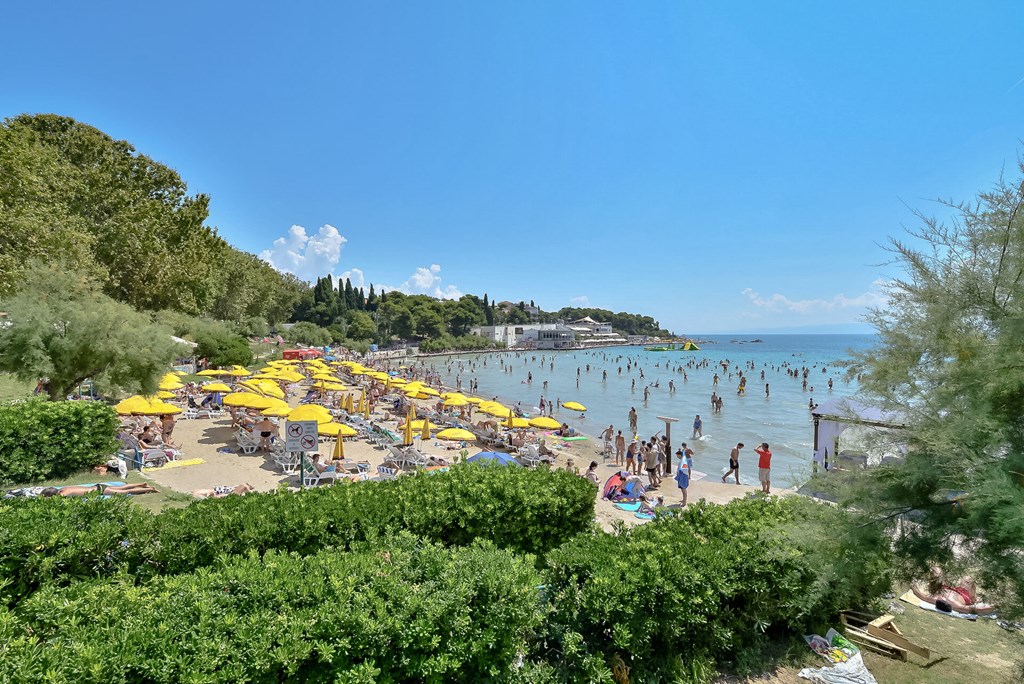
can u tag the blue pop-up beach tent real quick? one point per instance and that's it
(495, 457)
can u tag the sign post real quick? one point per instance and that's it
(301, 436)
(668, 442)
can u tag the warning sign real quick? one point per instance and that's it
(300, 435)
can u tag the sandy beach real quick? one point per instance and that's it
(207, 439)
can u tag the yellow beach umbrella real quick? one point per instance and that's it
(170, 377)
(456, 434)
(545, 423)
(215, 387)
(429, 391)
(210, 372)
(474, 400)
(277, 411)
(172, 385)
(239, 398)
(449, 395)
(134, 404)
(407, 433)
(333, 429)
(494, 409)
(164, 394)
(418, 423)
(516, 423)
(339, 448)
(574, 406)
(455, 401)
(267, 387)
(159, 408)
(238, 372)
(180, 372)
(289, 376)
(325, 376)
(310, 412)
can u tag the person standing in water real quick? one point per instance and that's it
(734, 463)
(698, 427)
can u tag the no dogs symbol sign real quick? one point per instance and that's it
(300, 435)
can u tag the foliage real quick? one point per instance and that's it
(524, 510)
(252, 326)
(711, 583)
(631, 324)
(309, 334)
(447, 342)
(361, 326)
(404, 612)
(41, 439)
(950, 362)
(68, 190)
(223, 348)
(61, 327)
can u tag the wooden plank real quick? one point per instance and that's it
(898, 640)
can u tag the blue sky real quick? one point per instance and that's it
(720, 166)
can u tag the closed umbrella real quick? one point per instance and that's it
(339, 448)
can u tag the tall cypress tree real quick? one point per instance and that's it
(488, 311)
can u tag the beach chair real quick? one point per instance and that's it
(384, 473)
(529, 455)
(246, 442)
(415, 458)
(311, 477)
(287, 461)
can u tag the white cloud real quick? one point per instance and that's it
(875, 296)
(307, 256)
(582, 300)
(426, 280)
(357, 277)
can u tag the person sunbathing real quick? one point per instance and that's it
(960, 595)
(105, 489)
(221, 491)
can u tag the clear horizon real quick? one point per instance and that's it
(726, 167)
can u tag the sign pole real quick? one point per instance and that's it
(668, 442)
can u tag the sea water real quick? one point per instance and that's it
(782, 418)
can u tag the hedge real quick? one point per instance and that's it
(707, 586)
(43, 439)
(406, 612)
(61, 540)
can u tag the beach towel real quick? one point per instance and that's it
(226, 450)
(911, 598)
(178, 464)
(631, 506)
(644, 516)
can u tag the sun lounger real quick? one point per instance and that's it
(384, 473)
(312, 477)
(246, 442)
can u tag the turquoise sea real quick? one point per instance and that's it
(782, 419)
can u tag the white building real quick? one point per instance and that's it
(588, 324)
(515, 335)
(555, 337)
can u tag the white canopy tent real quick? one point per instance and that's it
(833, 417)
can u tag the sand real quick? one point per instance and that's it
(201, 438)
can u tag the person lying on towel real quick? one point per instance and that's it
(947, 595)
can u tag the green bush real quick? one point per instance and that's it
(522, 510)
(406, 612)
(447, 342)
(222, 348)
(41, 439)
(58, 540)
(531, 511)
(713, 583)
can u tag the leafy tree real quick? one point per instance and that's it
(68, 189)
(252, 326)
(950, 360)
(221, 347)
(361, 326)
(62, 327)
(308, 333)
